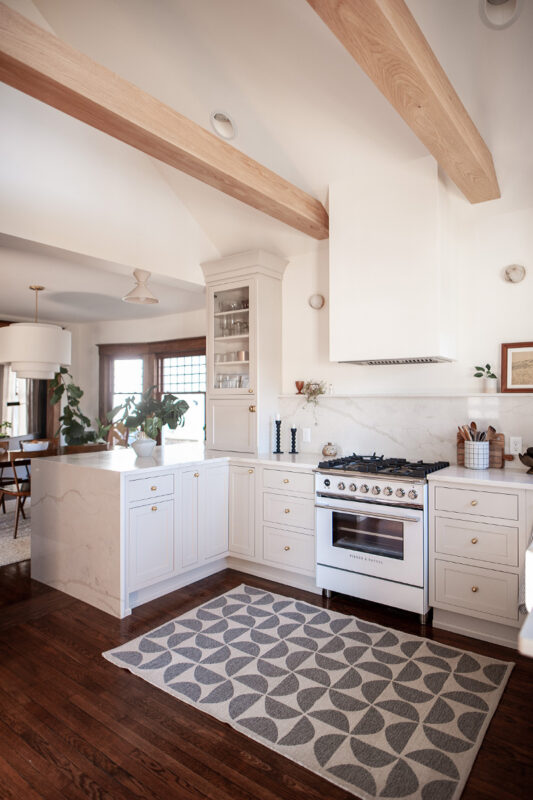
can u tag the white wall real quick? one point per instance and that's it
(85, 337)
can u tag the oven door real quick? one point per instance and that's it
(381, 541)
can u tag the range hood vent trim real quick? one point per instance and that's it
(385, 362)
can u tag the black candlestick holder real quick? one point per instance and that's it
(293, 451)
(278, 449)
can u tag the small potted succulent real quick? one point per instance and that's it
(490, 381)
(148, 416)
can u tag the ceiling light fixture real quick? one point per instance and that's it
(33, 349)
(499, 14)
(141, 293)
(223, 125)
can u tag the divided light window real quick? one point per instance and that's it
(127, 379)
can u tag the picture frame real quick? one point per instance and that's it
(517, 367)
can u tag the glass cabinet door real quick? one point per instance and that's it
(231, 339)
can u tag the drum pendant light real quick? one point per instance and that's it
(33, 349)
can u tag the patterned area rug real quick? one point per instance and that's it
(13, 550)
(377, 712)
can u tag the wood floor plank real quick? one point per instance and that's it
(76, 726)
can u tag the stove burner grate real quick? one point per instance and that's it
(379, 465)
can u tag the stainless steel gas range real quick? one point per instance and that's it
(372, 529)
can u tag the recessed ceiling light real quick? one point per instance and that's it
(498, 14)
(223, 125)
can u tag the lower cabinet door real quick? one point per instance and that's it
(213, 513)
(242, 510)
(150, 544)
(188, 517)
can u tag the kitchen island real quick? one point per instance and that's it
(116, 531)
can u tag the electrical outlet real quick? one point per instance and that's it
(306, 434)
(515, 445)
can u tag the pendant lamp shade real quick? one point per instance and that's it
(35, 350)
(140, 293)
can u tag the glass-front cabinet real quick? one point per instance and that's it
(232, 367)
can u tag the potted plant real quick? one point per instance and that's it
(4, 436)
(73, 423)
(490, 381)
(148, 416)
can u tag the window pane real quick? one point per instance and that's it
(127, 376)
(184, 374)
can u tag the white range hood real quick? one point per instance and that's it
(390, 283)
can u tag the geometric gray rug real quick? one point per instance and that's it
(19, 549)
(378, 712)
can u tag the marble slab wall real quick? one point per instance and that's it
(415, 427)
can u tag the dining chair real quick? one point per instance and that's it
(20, 487)
(118, 435)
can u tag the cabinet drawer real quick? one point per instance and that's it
(481, 541)
(474, 588)
(297, 512)
(288, 481)
(146, 488)
(472, 501)
(291, 550)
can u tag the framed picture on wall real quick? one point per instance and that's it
(517, 367)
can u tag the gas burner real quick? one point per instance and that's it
(379, 465)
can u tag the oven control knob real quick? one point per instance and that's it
(364, 488)
(376, 490)
(327, 482)
(413, 494)
(341, 486)
(400, 492)
(353, 487)
(387, 490)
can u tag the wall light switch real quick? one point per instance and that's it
(515, 445)
(306, 434)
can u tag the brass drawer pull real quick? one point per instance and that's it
(473, 503)
(251, 471)
(154, 508)
(250, 391)
(474, 588)
(287, 511)
(285, 480)
(474, 540)
(286, 547)
(196, 474)
(251, 409)
(153, 488)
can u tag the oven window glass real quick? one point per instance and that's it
(380, 537)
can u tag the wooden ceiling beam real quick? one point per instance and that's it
(41, 65)
(385, 40)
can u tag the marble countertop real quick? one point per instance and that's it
(506, 478)
(177, 455)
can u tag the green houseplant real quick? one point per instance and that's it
(4, 435)
(149, 415)
(489, 379)
(73, 423)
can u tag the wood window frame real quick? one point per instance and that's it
(151, 353)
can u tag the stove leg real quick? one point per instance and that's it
(425, 619)
(326, 594)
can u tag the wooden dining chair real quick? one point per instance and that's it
(118, 435)
(20, 488)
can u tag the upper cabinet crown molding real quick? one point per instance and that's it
(240, 264)
(41, 65)
(385, 40)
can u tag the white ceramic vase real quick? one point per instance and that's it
(143, 445)
(490, 385)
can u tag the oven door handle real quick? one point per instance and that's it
(368, 514)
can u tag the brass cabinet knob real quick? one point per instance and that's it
(474, 588)
(287, 511)
(285, 480)
(474, 540)
(154, 508)
(473, 503)
(251, 409)
(250, 391)
(196, 474)
(153, 488)
(251, 471)
(286, 547)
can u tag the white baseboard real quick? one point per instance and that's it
(274, 574)
(177, 582)
(494, 632)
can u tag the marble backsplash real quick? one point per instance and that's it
(416, 427)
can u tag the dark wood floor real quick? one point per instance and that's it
(72, 725)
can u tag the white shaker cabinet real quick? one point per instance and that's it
(150, 543)
(187, 517)
(213, 512)
(232, 424)
(242, 510)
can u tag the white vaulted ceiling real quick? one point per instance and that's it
(302, 107)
